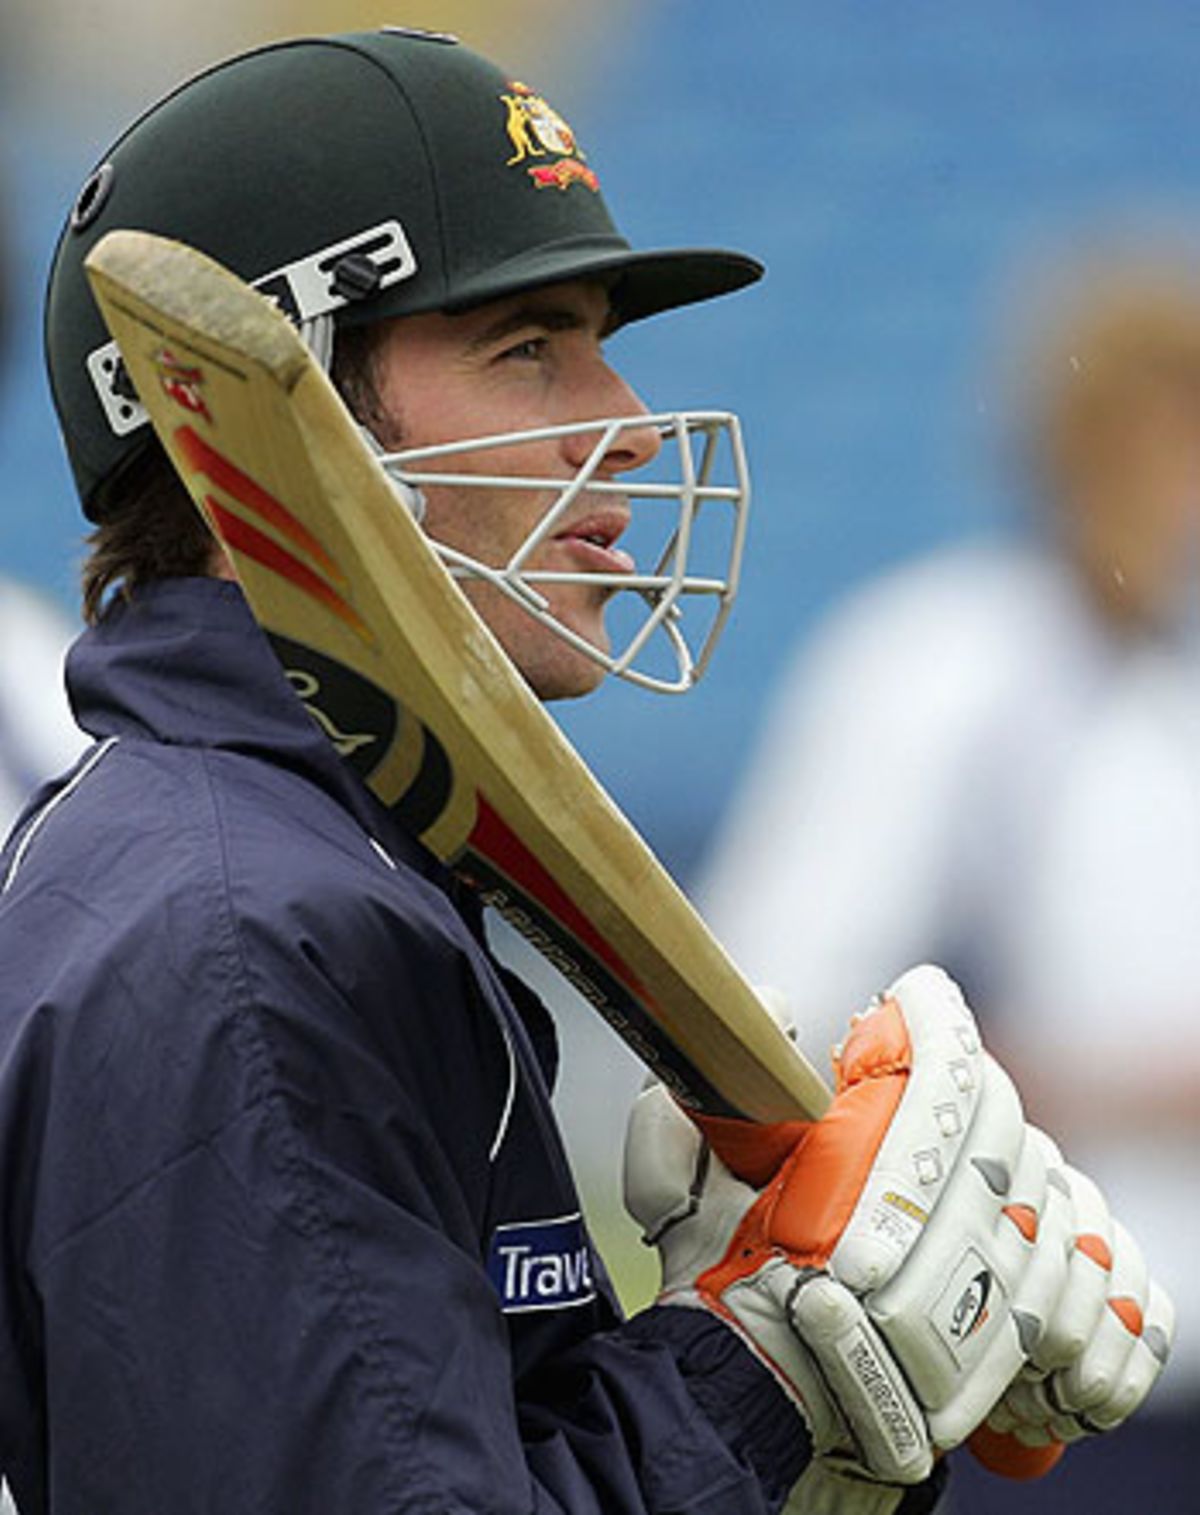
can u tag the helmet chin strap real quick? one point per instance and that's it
(318, 332)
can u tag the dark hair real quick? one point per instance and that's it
(149, 529)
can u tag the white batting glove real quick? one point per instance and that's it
(889, 1272)
(1099, 1353)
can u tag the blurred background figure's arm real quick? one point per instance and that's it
(38, 738)
(839, 863)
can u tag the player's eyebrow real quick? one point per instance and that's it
(552, 318)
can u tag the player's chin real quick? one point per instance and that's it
(565, 672)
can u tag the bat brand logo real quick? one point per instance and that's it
(541, 1265)
(536, 130)
(309, 690)
(366, 725)
(181, 382)
(358, 718)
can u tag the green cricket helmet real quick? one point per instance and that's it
(357, 177)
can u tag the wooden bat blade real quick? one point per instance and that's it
(390, 659)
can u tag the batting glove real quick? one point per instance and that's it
(889, 1272)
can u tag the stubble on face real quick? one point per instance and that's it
(440, 378)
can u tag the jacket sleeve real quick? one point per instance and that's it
(693, 1423)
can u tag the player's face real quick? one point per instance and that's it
(1133, 499)
(530, 361)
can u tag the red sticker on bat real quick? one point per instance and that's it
(181, 382)
(320, 578)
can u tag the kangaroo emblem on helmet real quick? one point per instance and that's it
(534, 127)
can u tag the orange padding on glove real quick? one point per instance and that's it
(1002, 1452)
(754, 1153)
(806, 1206)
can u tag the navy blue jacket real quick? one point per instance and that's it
(286, 1222)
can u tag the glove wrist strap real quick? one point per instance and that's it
(824, 1491)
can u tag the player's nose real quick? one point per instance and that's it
(633, 445)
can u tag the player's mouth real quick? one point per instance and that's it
(592, 541)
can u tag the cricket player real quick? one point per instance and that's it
(287, 1224)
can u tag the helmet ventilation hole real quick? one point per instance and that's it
(92, 198)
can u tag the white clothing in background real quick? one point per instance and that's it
(38, 737)
(966, 766)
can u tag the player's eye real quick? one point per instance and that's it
(529, 349)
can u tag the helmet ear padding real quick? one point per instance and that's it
(318, 333)
(408, 494)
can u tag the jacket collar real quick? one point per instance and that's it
(183, 662)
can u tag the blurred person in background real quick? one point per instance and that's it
(988, 758)
(37, 734)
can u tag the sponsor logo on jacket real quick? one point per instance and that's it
(541, 1264)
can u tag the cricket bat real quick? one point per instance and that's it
(391, 660)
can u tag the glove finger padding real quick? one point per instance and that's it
(808, 1329)
(1048, 1228)
(1073, 1320)
(867, 1383)
(1090, 1385)
(1126, 1353)
(1143, 1363)
(1104, 1345)
(817, 1339)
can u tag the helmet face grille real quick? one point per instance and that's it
(291, 154)
(680, 517)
